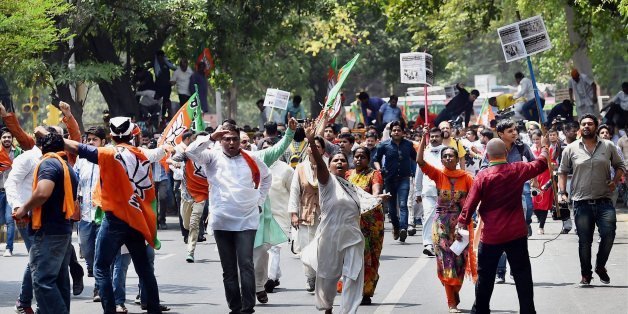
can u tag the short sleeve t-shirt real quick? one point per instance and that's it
(53, 220)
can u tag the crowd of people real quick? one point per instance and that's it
(316, 184)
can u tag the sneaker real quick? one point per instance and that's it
(603, 275)
(23, 309)
(262, 297)
(77, 285)
(201, 238)
(138, 299)
(403, 234)
(190, 258)
(120, 308)
(395, 234)
(500, 279)
(411, 230)
(429, 251)
(586, 281)
(310, 284)
(7, 253)
(96, 297)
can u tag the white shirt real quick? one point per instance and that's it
(182, 80)
(424, 185)
(525, 89)
(279, 194)
(582, 91)
(622, 99)
(19, 184)
(88, 175)
(234, 199)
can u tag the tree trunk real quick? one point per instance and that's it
(119, 92)
(232, 102)
(318, 83)
(580, 57)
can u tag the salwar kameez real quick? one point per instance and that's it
(452, 187)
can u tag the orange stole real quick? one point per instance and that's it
(5, 160)
(197, 185)
(68, 198)
(116, 194)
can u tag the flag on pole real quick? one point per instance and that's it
(189, 117)
(486, 114)
(206, 57)
(342, 76)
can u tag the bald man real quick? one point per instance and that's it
(497, 190)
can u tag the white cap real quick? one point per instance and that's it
(121, 126)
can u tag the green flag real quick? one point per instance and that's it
(342, 76)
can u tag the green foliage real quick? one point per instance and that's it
(84, 72)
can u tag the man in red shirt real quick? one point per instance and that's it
(498, 189)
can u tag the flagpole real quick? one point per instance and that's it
(426, 110)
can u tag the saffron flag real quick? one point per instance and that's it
(206, 57)
(189, 117)
(486, 114)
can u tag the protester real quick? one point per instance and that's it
(397, 171)
(339, 254)
(530, 109)
(294, 109)
(50, 208)
(389, 112)
(583, 92)
(240, 184)
(461, 103)
(497, 191)
(198, 82)
(7, 153)
(544, 201)
(452, 186)
(181, 79)
(426, 190)
(618, 108)
(371, 222)
(591, 158)
(450, 141)
(370, 107)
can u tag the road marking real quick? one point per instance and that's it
(166, 256)
(401, 287)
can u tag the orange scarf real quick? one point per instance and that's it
(257, 176)
(196, 182)
(5, 160)
(68, 198)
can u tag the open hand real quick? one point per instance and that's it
(292, 124)
(310, 131)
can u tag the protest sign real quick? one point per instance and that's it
(416, 68)
(524, 38)
(276, 98)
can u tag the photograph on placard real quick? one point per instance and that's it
(532, 26)
(514, 51)
(537, 43)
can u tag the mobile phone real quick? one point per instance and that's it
(300, 120)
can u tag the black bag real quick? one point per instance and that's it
(563, 209)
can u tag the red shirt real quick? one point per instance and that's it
(499, 189)
(420, 120)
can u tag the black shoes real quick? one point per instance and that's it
(395, 234)
(403, 234)
(366, 300)
(262, 297)
(586, 281)
(604, 278)
(201, 238)
(270, 285)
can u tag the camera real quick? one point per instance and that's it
(505, 113)
(562, 212)
(535, 191)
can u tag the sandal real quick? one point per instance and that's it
(121, 309)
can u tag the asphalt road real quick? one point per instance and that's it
(408, 282)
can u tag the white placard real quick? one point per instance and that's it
(524, 38)
(276, 98)
(416, 68)
(458, 246)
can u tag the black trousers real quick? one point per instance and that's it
(235, 249)
(519, 260)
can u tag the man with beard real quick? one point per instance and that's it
(397, 170)
(590, 159)
(448, 140)
(426, 188)
(7, 153)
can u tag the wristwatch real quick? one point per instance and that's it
(562, 193)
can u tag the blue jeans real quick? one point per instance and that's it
(150, 252)
(530, 110)
(399, 188)
(87, 240)
(26, 292)
(586, 217)
(119, 269)
(112, 235)
(49, 258)
(5, 212)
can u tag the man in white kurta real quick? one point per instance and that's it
(426, 188)
(236, 196)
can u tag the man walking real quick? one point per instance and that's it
(497, 190)
(240, 183)
(397, 170)
(590, 159)
(50, 207)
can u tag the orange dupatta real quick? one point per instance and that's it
(68, 198)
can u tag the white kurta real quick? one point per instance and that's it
(279, 193)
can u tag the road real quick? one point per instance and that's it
(408, 282)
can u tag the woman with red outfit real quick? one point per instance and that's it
(545, 199)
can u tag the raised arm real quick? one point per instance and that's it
(321, 169)
(271, 154)
(26, 141)
(74, 131)
(419, 156)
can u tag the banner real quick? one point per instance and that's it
(276, 98)
(416, 68)
(189, 117)
(524, 38)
